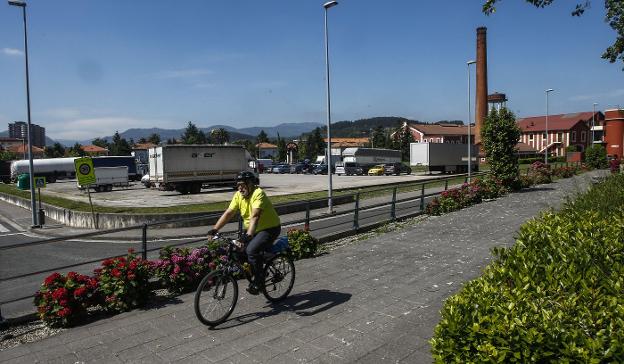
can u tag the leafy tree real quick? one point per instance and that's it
(193, 135)
(76, 150)
(262, 137)
(302, 151)
(142, 140)
(220, 136)
(403, 139)
(614, 16)
(100, 143)
(172, 141)
(119, 145)
(499, 136)
(281, 148)
(596, 156)
(55, 151)
(6, 155)
(378, 137)
(249, 145)
(154, 138)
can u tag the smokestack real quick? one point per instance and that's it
(481, 107)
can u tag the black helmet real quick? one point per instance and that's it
(246, 177)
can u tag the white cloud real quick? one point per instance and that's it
(617, 93)
(189, 73)
(91, 128)
(12, 52)
(62, 113)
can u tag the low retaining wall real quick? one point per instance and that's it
(105, 221)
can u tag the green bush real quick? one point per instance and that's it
(596, 156)
(555, 296)
(302, 244)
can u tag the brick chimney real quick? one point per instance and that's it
(481, 107)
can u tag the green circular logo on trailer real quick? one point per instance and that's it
(85, 173)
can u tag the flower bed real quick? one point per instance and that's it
(62, 300)
(466, 195)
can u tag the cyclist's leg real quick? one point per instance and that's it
(261, 241)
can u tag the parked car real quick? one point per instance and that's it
(321, 169)
(377, 170)
(396, 169)
(348, 169)
(281, 168)
(300, 168)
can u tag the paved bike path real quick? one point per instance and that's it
(371, 301)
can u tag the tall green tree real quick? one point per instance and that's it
(499, 136)
(119, 145)
(154, 138)
(220, 136)
(262, 137)
(249, 145)
(614, 17)
(55, 151)
(193, 135)
(596, 156)
(281, 148)
(402, 139)
(100, 143)
(6, 155)
(378, 137)
(76, 150)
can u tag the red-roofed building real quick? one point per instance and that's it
(563, 130)
(440, 133)
(266, 150)
(94, 150)
(22, 150)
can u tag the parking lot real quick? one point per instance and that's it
(274, 184)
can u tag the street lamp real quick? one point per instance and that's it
(33, 202)
(330, 208)
(546, 151)
(593, 122)
(469, 121)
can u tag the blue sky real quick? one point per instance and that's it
(101, 66)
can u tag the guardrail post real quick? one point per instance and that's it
(307, 216)
(445, 184)
(393, 207)
(356, 223)
(466, 179)
(144, 242)
(422, 198)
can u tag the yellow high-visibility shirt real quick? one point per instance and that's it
(257, 200)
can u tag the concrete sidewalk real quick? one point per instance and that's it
(371, 301)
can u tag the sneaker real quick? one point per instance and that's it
(253, 289)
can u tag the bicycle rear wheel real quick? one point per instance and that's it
(279, 278)
(216, 298)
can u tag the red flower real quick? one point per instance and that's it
(116, 273)
(133, 265)
(107, 262)
(63, 302)
(51, 278)
(64, 312)
(59, 293)
(131, 251)
(131, 276)
(80, 291)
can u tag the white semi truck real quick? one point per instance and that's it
(188, 168)
(52, 168)
(108, 177)
(444, 157)
(360, 160)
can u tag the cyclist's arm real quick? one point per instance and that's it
(224, 219)
(253, 221)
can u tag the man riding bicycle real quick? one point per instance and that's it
(261, 222)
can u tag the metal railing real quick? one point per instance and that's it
(401, 194)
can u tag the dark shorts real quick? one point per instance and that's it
(261, 241)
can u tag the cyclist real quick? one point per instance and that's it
(261, 222)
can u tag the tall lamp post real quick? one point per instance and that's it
(594, 122)
(546, 151)
(33, 202)
(469, 122)
(330, 208)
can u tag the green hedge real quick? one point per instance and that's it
(557, 295)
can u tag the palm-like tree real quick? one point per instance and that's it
(220, 136)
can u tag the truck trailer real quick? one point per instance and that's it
(188, 168)
(108, 177)
(443, 157)
(51, 168)
(360, 160)
(119, 161)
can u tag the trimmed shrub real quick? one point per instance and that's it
(180, 269)
(123, 282)
(468, 194)
(63, 300)
(302, 244)
(596, 157)
(555, 296)
(540, 173)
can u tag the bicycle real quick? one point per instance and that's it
(217, 293)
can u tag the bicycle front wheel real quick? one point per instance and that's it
(279, 278)
(216, 298)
